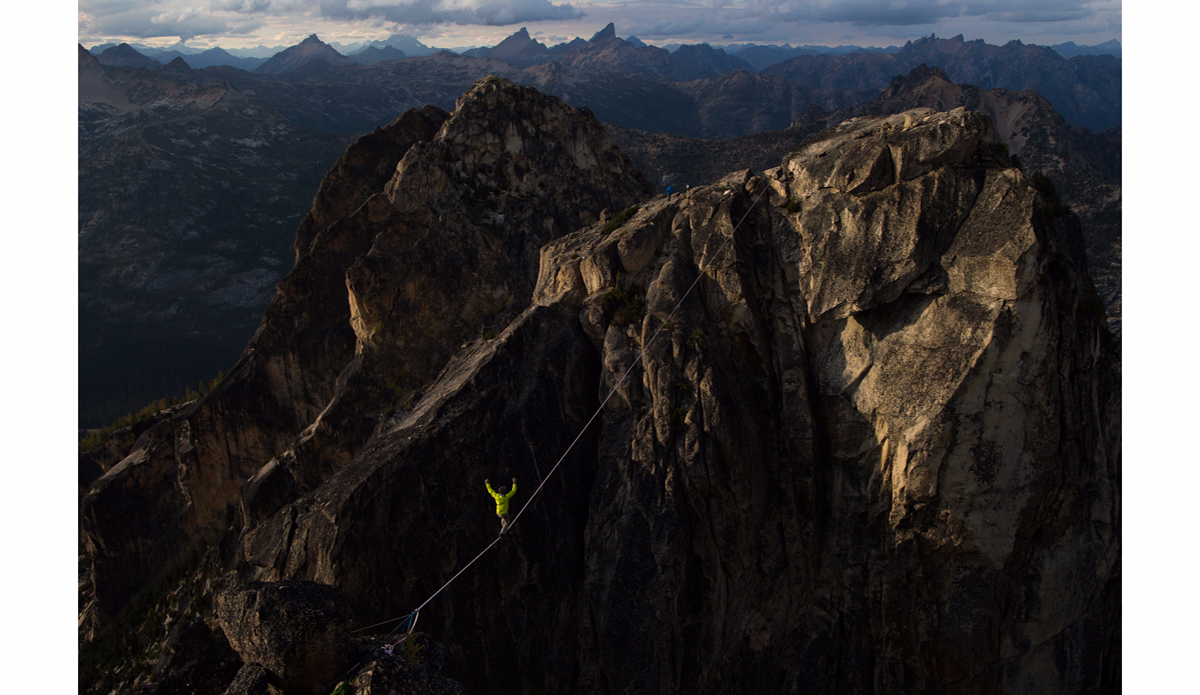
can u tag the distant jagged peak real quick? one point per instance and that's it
(517, 43)
(573, 44)
(311, 48)
(516, 40)
(124, 55)
(917, 77)
(608, 32)
(178, 66)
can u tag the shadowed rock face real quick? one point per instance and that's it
(458, 219)
(875, 449)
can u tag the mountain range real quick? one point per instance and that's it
(325, 104)
(759, 56)
(209, 58)
(606, 52)
(1070, 49)
(1084, 88)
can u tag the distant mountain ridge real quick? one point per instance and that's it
(209, 58)
(1086, 90)
(126, 56)
(605, 51)
(375, 54)
(1070, 49)
(401, 42)
(303, 53)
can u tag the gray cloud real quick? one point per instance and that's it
(248, 27)
(151, 22)
(917, 12)
(242, 6)
(485, 12)
(1039, 15)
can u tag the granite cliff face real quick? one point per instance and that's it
(1084, 166)
(506, 172)
(876, 449)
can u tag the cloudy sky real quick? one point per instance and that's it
(457, 23)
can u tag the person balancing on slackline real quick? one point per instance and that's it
(502, 498)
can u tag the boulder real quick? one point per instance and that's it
(298, 631)
(407, 672)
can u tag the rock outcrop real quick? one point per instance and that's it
(414, 670)
(1084, 167)
(455, 206)
(251, 679)
(297, 631)
(840, 467)
(869, 440)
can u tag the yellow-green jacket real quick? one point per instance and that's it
(501, 500)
